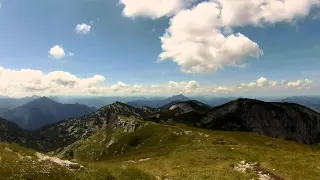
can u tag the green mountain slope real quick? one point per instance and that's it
(181, 152)
(157, 151)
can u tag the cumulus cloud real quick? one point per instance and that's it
(201, 40)
(261, 82)
(301, 84)
(153, 8)
(197, 44)
(263, 12)
(83, 29)
(27, 82)
(184, 87)
(264, 82)
(118, 86)
(57, 52)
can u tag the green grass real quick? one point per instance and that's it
(202, 154)
(12, 166)
(125, 118)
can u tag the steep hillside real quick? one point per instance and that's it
(10, 132)
(44, 111)
(280, 120)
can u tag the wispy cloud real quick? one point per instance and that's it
(83, 29)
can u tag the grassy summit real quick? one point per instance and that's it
(158, 151)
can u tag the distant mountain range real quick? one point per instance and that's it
(34, 112)
(154, 102)
(311, 102)
(158, 103)
(43, 111)
(12, 103)
(96, 102)
(279, 120)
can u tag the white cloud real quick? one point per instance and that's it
(274, 83)
(153, 8)
(27, 82)
(221, 89)
(118, 86)
(83, 29)
(190, 87)
(57, 52)
(195, 42)
(301, 84)
(137, 89)
(200, 39)
(262, 12)
(261, 82)
(264, 82)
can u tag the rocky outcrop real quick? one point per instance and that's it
(67, 132)
(63, 163)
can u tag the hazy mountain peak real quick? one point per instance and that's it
(179, 97)
(44, 111)
(43, 100)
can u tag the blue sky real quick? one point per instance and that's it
(125, 48)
